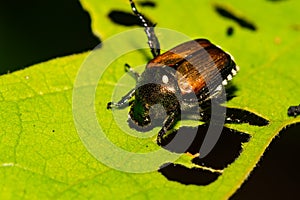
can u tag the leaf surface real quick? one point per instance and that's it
(42, 155)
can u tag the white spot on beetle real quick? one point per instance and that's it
(233, 72)
(229, 77)
(165, 79)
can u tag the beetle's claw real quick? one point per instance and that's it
(110, 105)
(127, 67)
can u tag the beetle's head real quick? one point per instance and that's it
(157, 85)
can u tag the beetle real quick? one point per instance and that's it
(170, 79)
(294, 111)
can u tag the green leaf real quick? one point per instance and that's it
(42, 155)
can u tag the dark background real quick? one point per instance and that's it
(36, 31)
(277, 174)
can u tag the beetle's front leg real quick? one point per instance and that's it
(168, 124)
(129, 95)
(133, 73)
(125, 99)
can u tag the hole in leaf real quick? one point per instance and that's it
(124, 18)
(147, 3)
(226, 150)
(230, 15)
(187, 176)
(230, 31)
(235, 115)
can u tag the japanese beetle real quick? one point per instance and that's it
(171, 75)
(294, 111)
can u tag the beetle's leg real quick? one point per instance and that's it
(122, 102)
(168, 124)
(149, 30)
(133, 73)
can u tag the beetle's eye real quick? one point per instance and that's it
(165, 79)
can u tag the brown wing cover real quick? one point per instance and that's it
(197, 62)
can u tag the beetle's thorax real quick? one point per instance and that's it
(151, 94)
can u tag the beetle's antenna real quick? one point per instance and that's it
(149, 30)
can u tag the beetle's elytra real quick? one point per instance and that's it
(172, 74)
